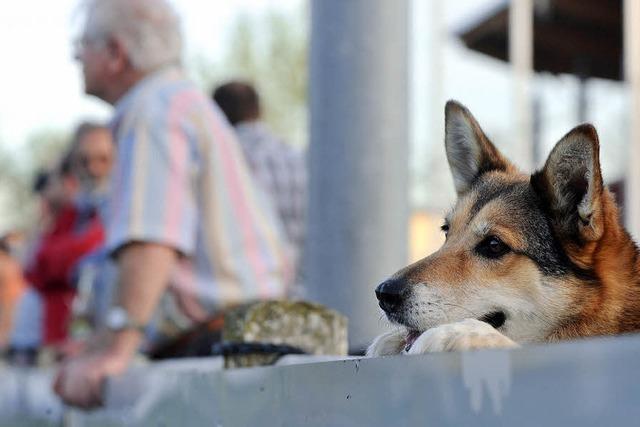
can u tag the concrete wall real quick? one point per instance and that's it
(583, 383)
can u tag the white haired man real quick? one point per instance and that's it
(183, 212)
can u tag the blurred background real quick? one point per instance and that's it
(455, 50)
(267, 42)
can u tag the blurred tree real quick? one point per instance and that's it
(270, 51)
(14, 192)
(45, 148)
(17, 172)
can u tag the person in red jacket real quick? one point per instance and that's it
(58, 248)
(75, 227)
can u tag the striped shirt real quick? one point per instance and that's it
(181, 180)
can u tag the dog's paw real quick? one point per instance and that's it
(469, 334)
(387, 344)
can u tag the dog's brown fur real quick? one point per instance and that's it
(563, 266)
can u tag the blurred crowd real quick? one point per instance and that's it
(40, 284)
(153, 224)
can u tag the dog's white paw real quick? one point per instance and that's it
(469, 334)
(387, 344)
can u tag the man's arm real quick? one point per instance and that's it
(145, 269)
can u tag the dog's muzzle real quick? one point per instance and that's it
(389, 294)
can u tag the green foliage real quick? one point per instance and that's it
(45, 149)
(271, 52)
(17, 205)
(15, 200)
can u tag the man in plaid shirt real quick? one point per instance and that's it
(279, 168)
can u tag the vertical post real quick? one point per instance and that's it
(582, 99)
(632, 76)
(358, 156)
(521, 57)
(437, 70)
(536, 140)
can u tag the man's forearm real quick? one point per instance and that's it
(145, 270)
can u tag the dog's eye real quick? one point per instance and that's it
(445, 228)
(492, 247)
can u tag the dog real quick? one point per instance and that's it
(527, 258)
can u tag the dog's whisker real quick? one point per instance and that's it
(442, 310)
(460, 307)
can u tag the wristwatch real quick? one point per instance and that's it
(118, 320)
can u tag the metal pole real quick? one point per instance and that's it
(521, 57)
(536, 141)
(632, 76)
(358, 156)
(582, 99)
(437, 70)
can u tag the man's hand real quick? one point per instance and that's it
(81, 380)
(145, 270)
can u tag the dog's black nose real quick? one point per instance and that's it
(389, 294)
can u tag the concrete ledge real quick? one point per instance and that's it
(590, 382)
(26, 398)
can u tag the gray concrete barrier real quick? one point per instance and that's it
(587, 383)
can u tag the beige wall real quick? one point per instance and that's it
(425, 236)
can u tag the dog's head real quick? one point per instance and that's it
(517, 247)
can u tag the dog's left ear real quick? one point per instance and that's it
(571, 184)
(469, 151)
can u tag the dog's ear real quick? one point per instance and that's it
(469, 151)
(571, 185)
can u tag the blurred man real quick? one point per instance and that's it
(277, 167)
(94, 154)
(182, 208)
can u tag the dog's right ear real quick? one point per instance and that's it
(570, 185)
(469, 151)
